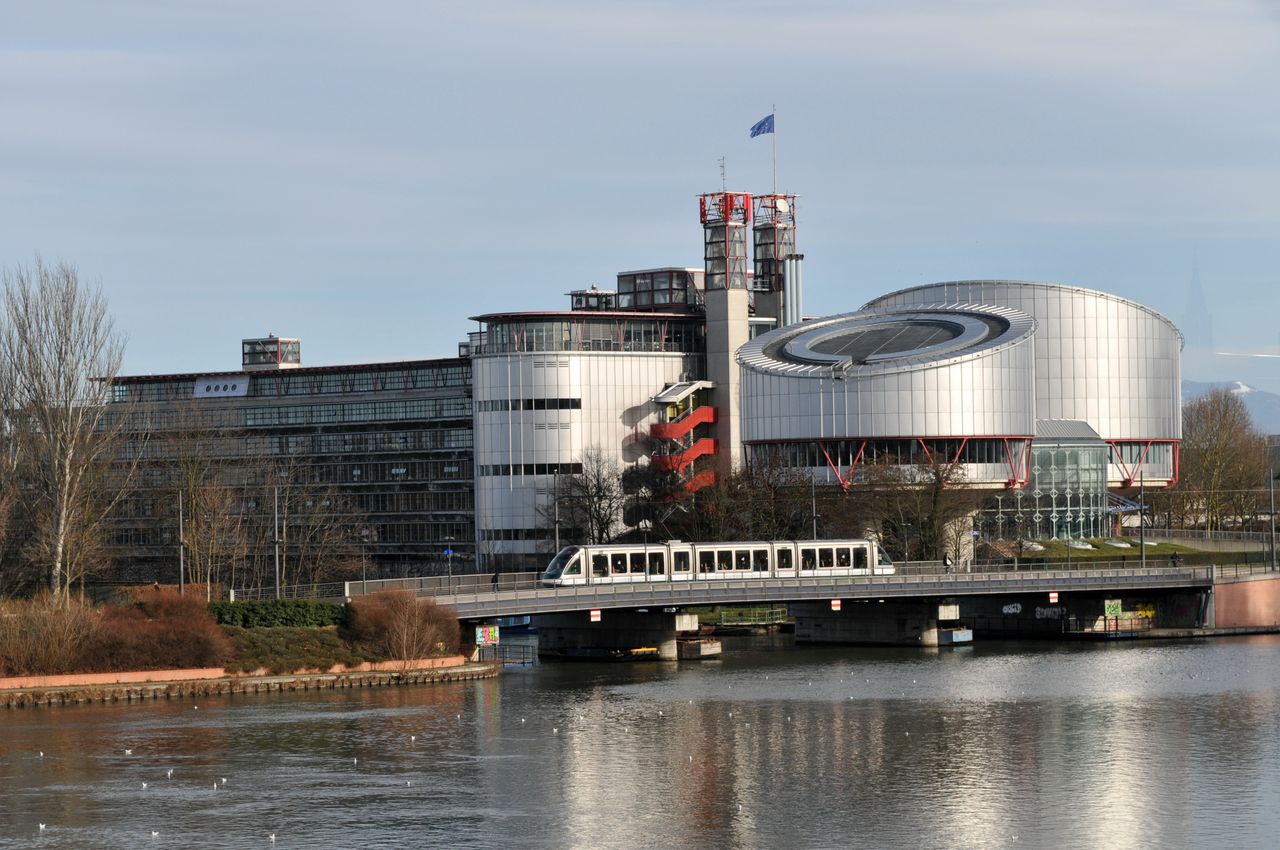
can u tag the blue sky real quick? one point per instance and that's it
(367, 176)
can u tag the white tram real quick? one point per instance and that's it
(677, 561)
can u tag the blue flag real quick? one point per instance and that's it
(764, 125)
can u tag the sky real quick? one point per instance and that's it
(368, 176)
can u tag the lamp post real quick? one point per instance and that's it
(1271, 486)
(1142, 514)
(275, 533)
(182, 551)
(813, 501)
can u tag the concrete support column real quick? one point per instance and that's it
(620, 633)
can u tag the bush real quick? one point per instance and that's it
(277, 613)
(41, 637)
(161, 631)
(398, 625)
(284, 650)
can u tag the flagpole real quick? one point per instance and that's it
(774, 113)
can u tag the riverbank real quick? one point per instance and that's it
(191, 684)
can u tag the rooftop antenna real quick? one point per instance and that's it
(724, 186)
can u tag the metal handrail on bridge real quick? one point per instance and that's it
(475, 585)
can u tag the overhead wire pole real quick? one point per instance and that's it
(773, 111)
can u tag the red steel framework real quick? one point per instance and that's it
(1134, 474)
(1017, 451)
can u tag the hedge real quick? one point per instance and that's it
(278, 613)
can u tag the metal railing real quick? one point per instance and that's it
(474, 587)
(1103, 624)
(508, 654)
(327, 590)
(745, 617)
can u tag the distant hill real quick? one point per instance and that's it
(1263, 407)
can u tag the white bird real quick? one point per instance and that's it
(272, 836)
(144, 786)
(42, 754)
(412, 738)
(555, 731)
(521, 719)
(355, 761)
(459, 716)
(155, 834)
(659, 712)
(224, 780)
(42, 827)
(731, 714)
(128, 752)
(215, 786)
(407, 783)
(168, 773)
(195, 708)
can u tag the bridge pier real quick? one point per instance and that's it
(620, 634)
(892, 622)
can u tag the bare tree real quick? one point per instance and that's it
(1223, 463)
(917, 509)
(60, 350)
(590, 502)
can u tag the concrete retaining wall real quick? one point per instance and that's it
(1250, 602)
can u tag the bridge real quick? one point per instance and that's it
(909, 604)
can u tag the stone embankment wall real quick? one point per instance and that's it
(1252, 601)
(179, 684)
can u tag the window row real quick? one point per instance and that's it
(382, 411)
(531, 469)
(501, 404)
(728, 560)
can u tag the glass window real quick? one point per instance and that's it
(808, 558)
(680, 562)
(706, 562)
(760, 560)
(657, 563)
(619, 563)
(842, 557)
(742, 559)
(825, 558)
(724, 560)
(599, 565)
(784, 559)
(637, 562)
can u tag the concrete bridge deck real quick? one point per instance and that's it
(480, 601)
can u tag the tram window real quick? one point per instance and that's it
(575, 569)
(706, 562)
(679, 562)
(808, 558)
(619, 563)
(599, 565)
(637, 562)
(742, 559)
(825, 559)
(657, 565)
(760, 560)
(842, 556)
(860, 558)
(724, 560)
(784, 559)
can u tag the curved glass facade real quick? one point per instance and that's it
(593, 332)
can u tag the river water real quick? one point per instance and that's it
(1173, 744)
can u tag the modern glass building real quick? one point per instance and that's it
(387, 446)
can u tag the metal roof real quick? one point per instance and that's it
(1073, 430)
(677, 393)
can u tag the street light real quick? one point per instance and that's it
(1271, 486)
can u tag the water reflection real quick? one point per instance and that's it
(1007, 744)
